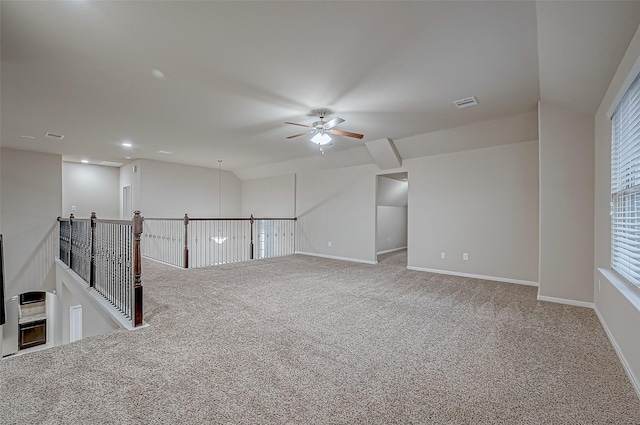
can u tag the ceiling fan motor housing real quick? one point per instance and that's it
(318, 125)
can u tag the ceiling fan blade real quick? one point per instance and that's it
(299, 134)
(332, 123)
(347, 133)
(301, 125)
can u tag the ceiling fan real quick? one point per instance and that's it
(322, 130)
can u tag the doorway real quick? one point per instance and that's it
(392, 199)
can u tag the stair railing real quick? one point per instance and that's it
(199, 242)
(106, 254)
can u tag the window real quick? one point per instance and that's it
(625, 185)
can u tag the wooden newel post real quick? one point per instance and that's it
(71, 217)
(251, 249)
(137, 268)
(186, 243)
(92, 270)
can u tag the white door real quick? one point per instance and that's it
(75, 323)
(127, 211)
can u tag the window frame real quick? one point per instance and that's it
(625, 186)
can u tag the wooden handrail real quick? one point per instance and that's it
(223, 218)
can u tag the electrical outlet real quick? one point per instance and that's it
(465, 256)
(329, 243)
(443, 255)
(73, 207)
(388, 239)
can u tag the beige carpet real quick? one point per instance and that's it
(303, 340)
(395, 258)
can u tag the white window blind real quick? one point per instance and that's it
(625, 185)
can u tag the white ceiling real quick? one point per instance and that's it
(235, 71)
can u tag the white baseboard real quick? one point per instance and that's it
(566, 301)
(475, 276)
(162, 262)
(391, 250)
(333, 257)
(634, 381)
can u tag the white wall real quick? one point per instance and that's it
(338, 206)
(391, 214)
(171, 190)
(616, 302)
(485, 134)
(331, 160)
(391, 228)
(269, 197)
(129, 177)
(392, 193)
(30, 202)
(71, 291)
(566, 204)
(10, 334)
(90, 188)
(483, 202)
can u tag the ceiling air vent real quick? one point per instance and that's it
(111, 163)
(468, 101)
(54, 136)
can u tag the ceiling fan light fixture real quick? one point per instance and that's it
(321, 139)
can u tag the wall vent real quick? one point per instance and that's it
(468, 101)
(54, 136)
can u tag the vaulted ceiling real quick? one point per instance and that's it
(216, 80)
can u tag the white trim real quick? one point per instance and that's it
(391, 250)
(475, 276)
(333, 257)
(566, 301)
(631, 76)
(634, 381)
(162, 262)
(626, 288)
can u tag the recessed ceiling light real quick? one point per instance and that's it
(127, 144)
(165, 152)
(158, 74)
(27, 137)
(84, 161)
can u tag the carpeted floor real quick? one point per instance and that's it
(304, 340)
(395, 258)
